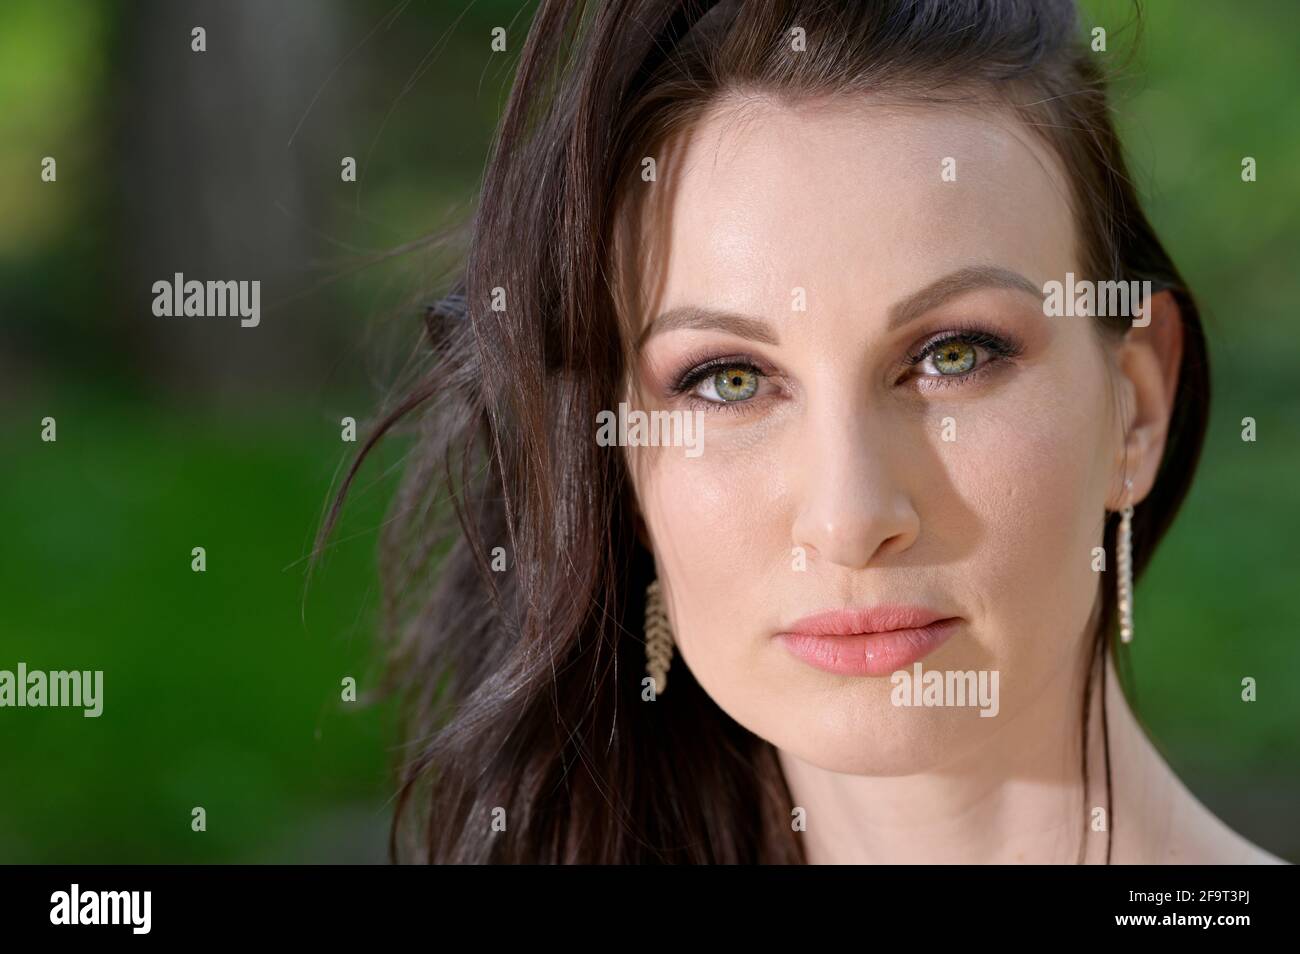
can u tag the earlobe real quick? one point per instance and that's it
(1149, 359)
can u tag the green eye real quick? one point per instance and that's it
(953, 357)
(735, 384)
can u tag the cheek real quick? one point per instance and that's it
(1028, 475)
(715, 529)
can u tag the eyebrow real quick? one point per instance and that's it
(703, 319)
(956, 283)
(915, 305)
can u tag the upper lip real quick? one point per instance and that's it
(875, 619)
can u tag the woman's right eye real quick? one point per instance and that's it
(730, 384)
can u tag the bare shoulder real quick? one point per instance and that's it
(1195, 835)
(1158, 820)
(1166, 823)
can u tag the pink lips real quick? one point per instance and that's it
(868, 642)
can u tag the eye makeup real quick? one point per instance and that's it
(957, 355)
(744, 375)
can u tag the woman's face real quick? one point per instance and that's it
(812, 253)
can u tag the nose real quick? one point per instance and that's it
(852, 509)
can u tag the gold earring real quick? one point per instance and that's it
(1124, 566)
(658, 638)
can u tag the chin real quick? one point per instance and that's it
(855, 733)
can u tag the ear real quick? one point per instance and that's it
(1148, 359)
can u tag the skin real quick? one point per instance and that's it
(839, 456)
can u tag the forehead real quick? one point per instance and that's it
(855, 201)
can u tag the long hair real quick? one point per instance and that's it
(512, 567)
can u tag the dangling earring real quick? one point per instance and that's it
(658, 638)
(1124, 567)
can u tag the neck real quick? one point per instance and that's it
(1020, 798)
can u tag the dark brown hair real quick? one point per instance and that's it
(521, 688)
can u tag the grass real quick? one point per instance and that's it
(222, 688)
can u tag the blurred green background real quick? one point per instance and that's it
(223, 688)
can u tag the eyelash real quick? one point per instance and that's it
(996, 347)
(698, 369)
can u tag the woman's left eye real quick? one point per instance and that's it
(960, 355)
(952, 357)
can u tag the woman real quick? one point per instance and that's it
(875, 520)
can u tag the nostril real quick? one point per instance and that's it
(855, 537)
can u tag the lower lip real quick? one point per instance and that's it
(870, 654)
